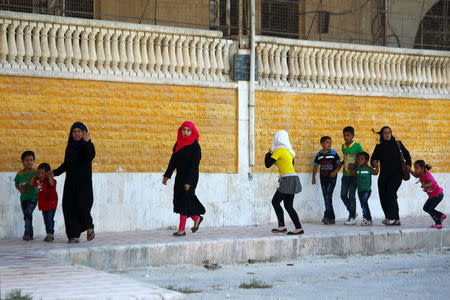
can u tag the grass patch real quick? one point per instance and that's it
(17, 295)
(255, 284)
(182, 290)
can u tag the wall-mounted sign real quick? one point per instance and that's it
(241, 67)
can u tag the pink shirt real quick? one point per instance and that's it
(434, 190)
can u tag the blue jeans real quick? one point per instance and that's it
(49, 220)
(28, 207)
(328, 184)
(348, 191)
(364, 200)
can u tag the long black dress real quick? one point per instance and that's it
(78, 196)
(390, 179)
(186, 161)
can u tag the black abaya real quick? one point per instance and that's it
(186, 161)
(78, 195)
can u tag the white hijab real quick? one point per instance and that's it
(281, 140)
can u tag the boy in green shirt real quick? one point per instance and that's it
(28, 193)
(364, 178)
(350, 149)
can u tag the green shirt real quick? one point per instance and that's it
(350, 154)
(364, 178)
(23, 179)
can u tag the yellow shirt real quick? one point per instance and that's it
(283, 161)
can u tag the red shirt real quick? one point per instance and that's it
(47, 196)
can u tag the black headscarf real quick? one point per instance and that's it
(75, 125)
(380, 133)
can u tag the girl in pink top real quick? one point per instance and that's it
(434, 191)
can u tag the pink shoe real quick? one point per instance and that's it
(443, 217)
(437, 226)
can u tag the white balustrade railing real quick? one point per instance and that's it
(59, 44)
(335, 66)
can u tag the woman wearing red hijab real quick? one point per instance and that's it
(185, 159)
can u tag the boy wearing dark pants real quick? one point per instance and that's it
(364, 178)
(28, 193)
(47, 198)
(350, 149)
(328, 160)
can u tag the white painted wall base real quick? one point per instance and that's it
(138, 201)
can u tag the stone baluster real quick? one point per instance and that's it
(107, 44)
(20, 44)
(100, 51)
(339, 69)
(272, 66)
(226, 59)
(158, 55)
(302, 66)
(366, 71)
(45, 47)
(296, 66)
(69, 45)
(332, 68)
(173, 63)
(403, 77)
(52, 47)
(206, 60)
(213, 54)
(320, 59)
(291, 64)
(92, 57)
(151, 54)
(352, 71)
(398, 72)
(429, 79)
(4, 43)
(345, 70)
(421, 77)
(408, 84)
(439, 78)
(325, 77)
(77, 49)
(12, 45)
(265, 63)
(415, 74)
(200, 62)
(123, 52)
(84, 46)
(434, 79)
(220, 64)
(277, 60)
(129, 42)
(193, 58)
(284, 65)
(28, 36)
(446, 75)
(359, 66)
(392, 72)
(144, 54)
(137, 54)
(61, 48)
(186, 57)
(165, 56)
(313, 65)
(382, 77)
(115, 52)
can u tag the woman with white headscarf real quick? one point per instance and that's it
(282, 155)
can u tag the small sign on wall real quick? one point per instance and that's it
(241, 67)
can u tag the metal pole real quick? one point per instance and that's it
(385, 22)
(241, 21)
(251, 87)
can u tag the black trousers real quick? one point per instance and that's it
(288, 205)
(77, 204)
(388, 186)
(430, 207)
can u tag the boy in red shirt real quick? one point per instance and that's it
(47, 198)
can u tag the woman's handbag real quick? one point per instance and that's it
(405, 173)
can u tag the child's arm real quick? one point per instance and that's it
(20, 189)
(51, 180)
(376, 170)
(428, 184)
(314, 173)
(411, 171)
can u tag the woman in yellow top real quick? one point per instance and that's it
(282, 155)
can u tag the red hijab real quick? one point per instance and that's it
(188, 140)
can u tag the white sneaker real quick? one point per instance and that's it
(366, 222)
(351, 221)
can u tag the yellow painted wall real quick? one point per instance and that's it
(133, 126)
(422, 125)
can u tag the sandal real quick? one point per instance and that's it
(90, 235)
(195, 228)
(73, 241)
(275, 230)
(295, 233)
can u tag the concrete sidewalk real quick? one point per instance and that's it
(68, 271)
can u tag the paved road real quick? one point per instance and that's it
(402, 276)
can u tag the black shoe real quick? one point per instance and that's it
(326, 221)
(296, 233)
(179, 234)
(27, 237)
(332, 221)
(275, 230)
(195, 228)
